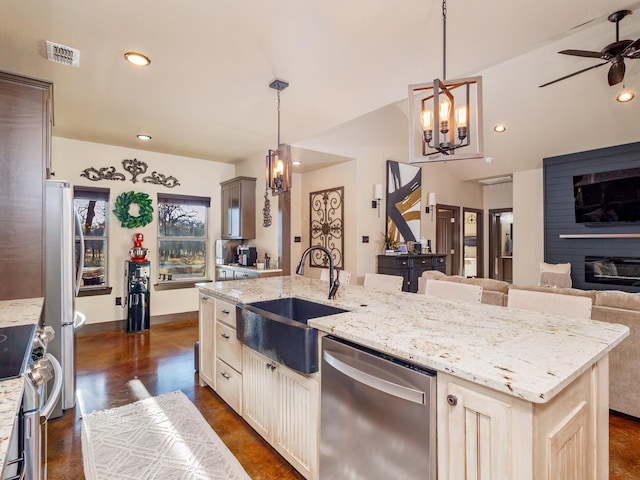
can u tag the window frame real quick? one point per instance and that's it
(81, 192)
(177, 199)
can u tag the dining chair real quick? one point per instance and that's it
(345, 276)
(454, 291)
(546, 302)
(383, 281)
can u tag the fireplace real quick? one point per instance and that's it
(612, 270)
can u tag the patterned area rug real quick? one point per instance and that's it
(163, 437)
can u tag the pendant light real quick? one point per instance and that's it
(445, 116)
(278, 172)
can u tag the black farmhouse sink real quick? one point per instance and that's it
(278, 329)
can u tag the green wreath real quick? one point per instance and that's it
(124, 201)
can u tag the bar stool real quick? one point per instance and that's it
(382, 281)
(454, 291)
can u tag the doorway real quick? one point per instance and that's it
(501, 244)
(473, 244)
(448, 236)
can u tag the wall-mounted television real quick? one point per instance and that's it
(607, 197)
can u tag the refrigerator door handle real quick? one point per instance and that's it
(81, 259)
(79, 320)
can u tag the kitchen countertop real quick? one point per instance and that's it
(14, 312)
(259, 271)
(529, 355)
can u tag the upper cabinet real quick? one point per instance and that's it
(25, 144)
(239, 208)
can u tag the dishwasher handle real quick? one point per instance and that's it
(341, 363)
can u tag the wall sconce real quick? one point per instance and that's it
(377, 194)
(431, 202)
(278, 172)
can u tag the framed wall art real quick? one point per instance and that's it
(326, 226)
(403, 205)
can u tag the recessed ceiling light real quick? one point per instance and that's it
(499, 128)
(137, 58)
(624, 97)
(297, 162)
(144, 137)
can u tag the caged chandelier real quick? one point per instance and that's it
(278, 172)
(448, 115)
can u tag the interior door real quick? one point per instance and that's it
(448, 236)
(472, 234)
(501, 244)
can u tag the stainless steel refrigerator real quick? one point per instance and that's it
(63, 272)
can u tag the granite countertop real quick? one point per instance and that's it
(259, 271)
(529, 355)
(14, 312)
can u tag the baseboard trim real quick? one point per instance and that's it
(120, 325)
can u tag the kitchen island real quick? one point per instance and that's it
(12, 313)
(522, 394)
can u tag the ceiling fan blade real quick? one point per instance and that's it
(582, 53)
(616, 72)
(633, 50)
(573, 74)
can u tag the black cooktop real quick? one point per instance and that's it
(15, 350)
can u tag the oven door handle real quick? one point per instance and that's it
(55, 390)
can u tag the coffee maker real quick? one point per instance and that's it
(247, 256)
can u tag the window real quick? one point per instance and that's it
(92, 205)
(182, 237)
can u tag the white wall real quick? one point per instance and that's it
(196, 177)
(528, 217)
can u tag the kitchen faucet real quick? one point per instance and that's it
(333, 284)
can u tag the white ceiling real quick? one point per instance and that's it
(206, 93)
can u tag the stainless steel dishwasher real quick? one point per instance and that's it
(378, 418)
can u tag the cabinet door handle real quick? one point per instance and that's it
(204, 299)
(226, 375)
(224, 335)
(226, 312)
(452, 400)
(271, 366)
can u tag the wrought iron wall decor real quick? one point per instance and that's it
(104, 173)
(135, 168)
(326, 226)
(403, 202)
(266, 211)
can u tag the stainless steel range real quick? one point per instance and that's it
(23, 352)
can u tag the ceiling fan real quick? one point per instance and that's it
(614, 53)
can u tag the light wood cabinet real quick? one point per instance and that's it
(25, 145)
(228, 372)
(484, 434)
(207, 343)
(239, 208)
(283, 406)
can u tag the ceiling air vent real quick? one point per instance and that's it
(496, 180)
(63, 54)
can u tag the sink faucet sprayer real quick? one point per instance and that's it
(333, 284)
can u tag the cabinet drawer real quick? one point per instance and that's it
(226, 313)
(393, 261)
(420, 262)
(229, 385)
(228, 347)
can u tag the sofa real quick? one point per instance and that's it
(608, 306)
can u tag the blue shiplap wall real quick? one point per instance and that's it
(559, 217)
